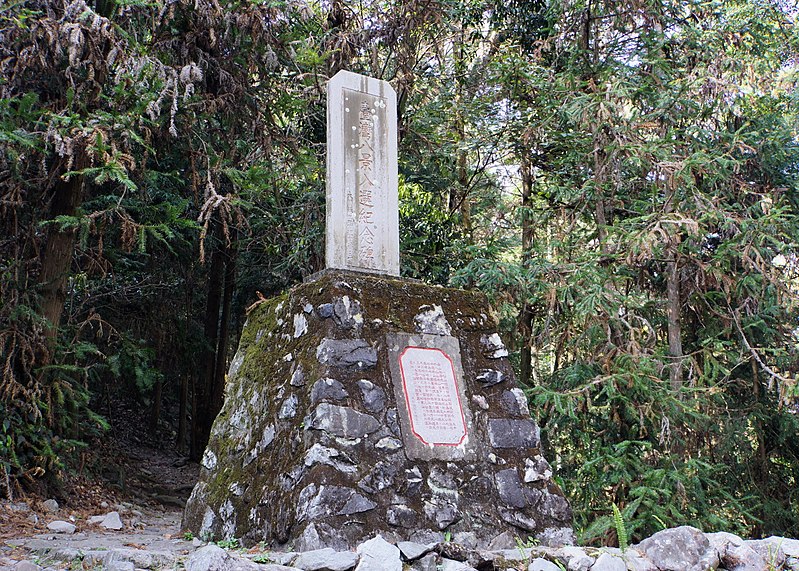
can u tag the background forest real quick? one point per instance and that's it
(620, 178)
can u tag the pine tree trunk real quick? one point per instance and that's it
(220, 365)
(202, 416)
(57, 256)
(526, 314)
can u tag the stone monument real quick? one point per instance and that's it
(360, 403)
(362, 214)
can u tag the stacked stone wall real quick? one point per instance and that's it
(313, 446)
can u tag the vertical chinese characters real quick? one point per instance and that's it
(364, 191)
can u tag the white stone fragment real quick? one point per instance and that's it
(432, 321)
(388, 443)
(300, 325)
(493, 345)
(480, 401)
(521, 399)
(209, 459)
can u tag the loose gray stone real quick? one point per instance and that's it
(411, 550)
(490, 377)
(50, 506)
(374, 397)
(326, 560)
(26, 566)
(608, 562)
(556, 537)
(504, 540)
(59, 526)
(426, 563)
(325, 310)
(112, 521)
(119, 566)
(19, 507)
(788, 546)
(680, 549)
(284, 558)
(354, 354)
(452, 565)
(468, 539)
(539, 564)
(209, 558)
(576, 559)
(377, 554)
(342, 421)
(735, 555)
(509, 433)
(327, 389)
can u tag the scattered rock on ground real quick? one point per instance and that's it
(112, 521)
(59, 526)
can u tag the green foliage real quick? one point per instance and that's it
(231, 543)
(620, 180)
(621, 528)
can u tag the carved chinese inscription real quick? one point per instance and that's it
(432, 396)
(362, 216)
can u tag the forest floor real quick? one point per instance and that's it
(142, 478)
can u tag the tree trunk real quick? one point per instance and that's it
(180, 443)
(220, 365)
(57, 256)
(201, 414)
(673, 318)
(526, 314)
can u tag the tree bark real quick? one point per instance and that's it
(201, 413)
(223, 343)
(57, 256)
(673, 318)
(526, 314)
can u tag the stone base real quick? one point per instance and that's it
(318, 446)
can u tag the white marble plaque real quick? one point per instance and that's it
(432, 396)
(362, 220)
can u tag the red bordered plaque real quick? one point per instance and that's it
(431, 394)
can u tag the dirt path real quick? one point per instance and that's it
(146, 485)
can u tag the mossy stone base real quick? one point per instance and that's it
(310, 447)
